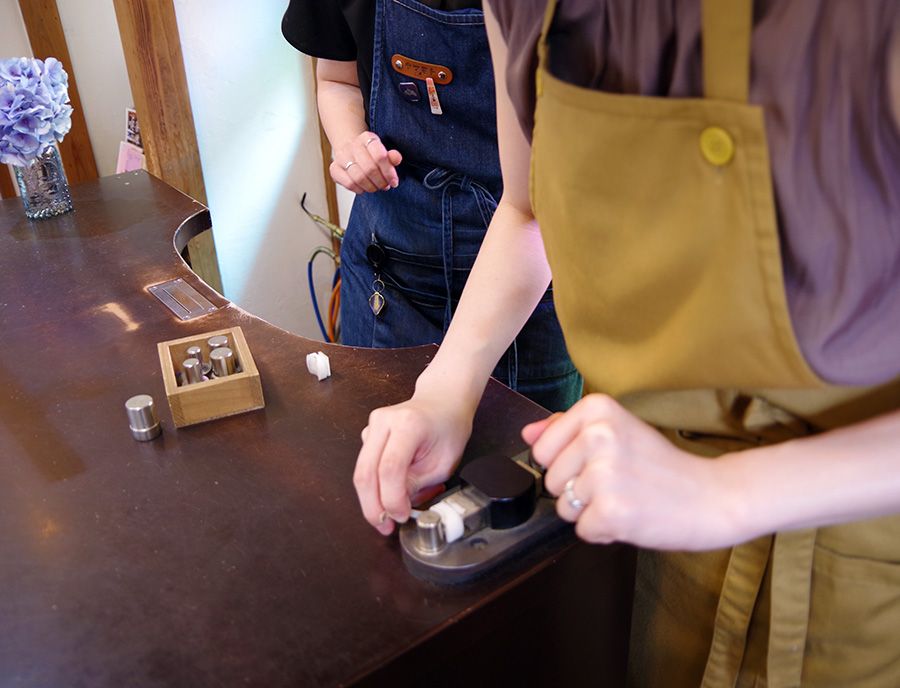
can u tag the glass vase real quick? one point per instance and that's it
(43, 186)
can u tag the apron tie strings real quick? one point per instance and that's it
(442, 178)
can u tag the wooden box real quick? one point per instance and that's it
(217, 397)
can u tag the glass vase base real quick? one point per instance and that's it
(43, 187)
(41, 211)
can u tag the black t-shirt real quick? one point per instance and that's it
(345, 30)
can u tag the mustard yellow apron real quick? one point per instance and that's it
(659, 224)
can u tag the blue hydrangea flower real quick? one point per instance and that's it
(34, 108)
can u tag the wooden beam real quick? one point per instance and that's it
(155, 62)
(330, 189)
(334, 215)
(155, 65)
(45, 33)
(7, 189)
(204, 260)
(325, 144)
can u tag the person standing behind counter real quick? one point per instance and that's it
(406, 97)
(717, 184)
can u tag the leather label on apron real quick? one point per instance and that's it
(421, 70)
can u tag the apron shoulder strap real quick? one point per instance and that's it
(542, 45)
(726, 29)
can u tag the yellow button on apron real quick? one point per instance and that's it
(717, 146)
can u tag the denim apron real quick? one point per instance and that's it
(431, 227)
(668, 284)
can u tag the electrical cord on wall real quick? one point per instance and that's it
(337, 232)
(331, 331)
(312, 287)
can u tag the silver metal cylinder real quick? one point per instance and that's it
(193, 371)
(430, 537)
(217, 342)
(197, 352)
(222, 359)
(142, 419)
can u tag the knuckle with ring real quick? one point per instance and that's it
(371, 138)
(348, 165)
(571, 498)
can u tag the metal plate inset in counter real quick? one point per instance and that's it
(182, 299)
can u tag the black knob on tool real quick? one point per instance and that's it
(510, 488)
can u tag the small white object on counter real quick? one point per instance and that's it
(319, 365)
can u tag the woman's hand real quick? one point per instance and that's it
(407, 448)
(362, 164)
(619, 479)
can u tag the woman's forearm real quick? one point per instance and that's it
(509, 277)
(511, 272)
(341, 108)
(840, 476)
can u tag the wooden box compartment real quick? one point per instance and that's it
(217, 397)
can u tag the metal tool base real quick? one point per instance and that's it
(475, 555)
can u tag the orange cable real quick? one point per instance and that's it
(332, 312)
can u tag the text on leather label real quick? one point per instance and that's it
(421, 70)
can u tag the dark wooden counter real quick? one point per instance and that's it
(232, 553)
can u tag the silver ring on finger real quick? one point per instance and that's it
(349, 165)
(569, 493)
(371, 138)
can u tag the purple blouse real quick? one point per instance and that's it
(828, 75)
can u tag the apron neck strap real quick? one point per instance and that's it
(726, 28)
(542, 44)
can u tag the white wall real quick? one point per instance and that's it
(97, 61)
(345, 203)
(92, 35)
(13, 39)
(254, 112)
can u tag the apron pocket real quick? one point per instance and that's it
(667, 264)
(854, 621)
(462, 16)
(421, 278)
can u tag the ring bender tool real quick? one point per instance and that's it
(498, 511)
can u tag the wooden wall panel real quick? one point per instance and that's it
(155, 62)
(7, 189)
(334, 214)
(155, 65)
(45, 33)
(205, 260)
(330, 191)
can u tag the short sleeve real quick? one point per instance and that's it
(520, 24)
(318, 28)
